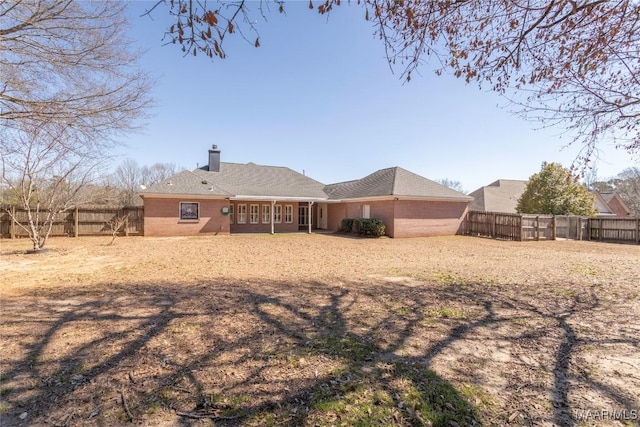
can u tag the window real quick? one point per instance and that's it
(366, 211)
(266, 214)
(231, 213)
(288, 214)
(277, 214)
(189, 211)
(242, 214)
(253, 213)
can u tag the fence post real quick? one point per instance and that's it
(125, 212)
(12, 226)
(76, 223)
(537, 228)
(600, 236)
(521, 228)
(553, 225)
(638, 231)
(140, 220)
(579, 228)
(467, 227)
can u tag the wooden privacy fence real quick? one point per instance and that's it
(507, 226)
(614, 229)
(85, 221)
(521, 227)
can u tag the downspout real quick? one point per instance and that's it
(310, 216)
(273, 208)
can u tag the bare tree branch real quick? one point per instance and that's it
(573, 64)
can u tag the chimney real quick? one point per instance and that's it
(214, 159)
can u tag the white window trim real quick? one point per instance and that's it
(254, 219)
(266, 214)
(188, 219)
(288, 211)
(366, 211)
(242, 216)
(277, 214)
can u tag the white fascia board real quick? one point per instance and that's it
(414, 198)
(465, 199)
(277, 198)
(182, 196)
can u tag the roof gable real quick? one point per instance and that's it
(394, 181)
(613, 203)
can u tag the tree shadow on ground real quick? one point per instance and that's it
(283, 353)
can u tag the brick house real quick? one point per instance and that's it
(610, 204)
(235, 198)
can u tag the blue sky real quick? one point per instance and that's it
(318, 96)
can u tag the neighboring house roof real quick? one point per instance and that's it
(394, 181)
(601, 205)
(236, 179)
(499, 196)
(615, 203)
(502, 196)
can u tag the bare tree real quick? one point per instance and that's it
(573, 64)
(157, 172)
(128, 178)
(69, 62)
(452, 184)
(45, 169)
(117, 223)
(590, 178)
(69, 87)
(627, 185)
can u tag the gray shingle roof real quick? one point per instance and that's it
(251, 180)
(236, 179)
(394, 181)
(499, 196)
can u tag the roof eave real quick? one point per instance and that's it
(277, 198)
(183, 195)
(461, 199)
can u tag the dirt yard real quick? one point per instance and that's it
(319, 330)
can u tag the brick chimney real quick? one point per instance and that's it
(214, 159)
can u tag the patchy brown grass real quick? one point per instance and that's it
(319, 330)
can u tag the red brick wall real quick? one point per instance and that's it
(382, 210)
(260, 227)
(428, 218)
(403, 218)
(335, 213)
(162, 217)
(617, 208)
(406, 218)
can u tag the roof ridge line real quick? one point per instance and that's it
(393, 183)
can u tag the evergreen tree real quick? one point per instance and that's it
(555, 191)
